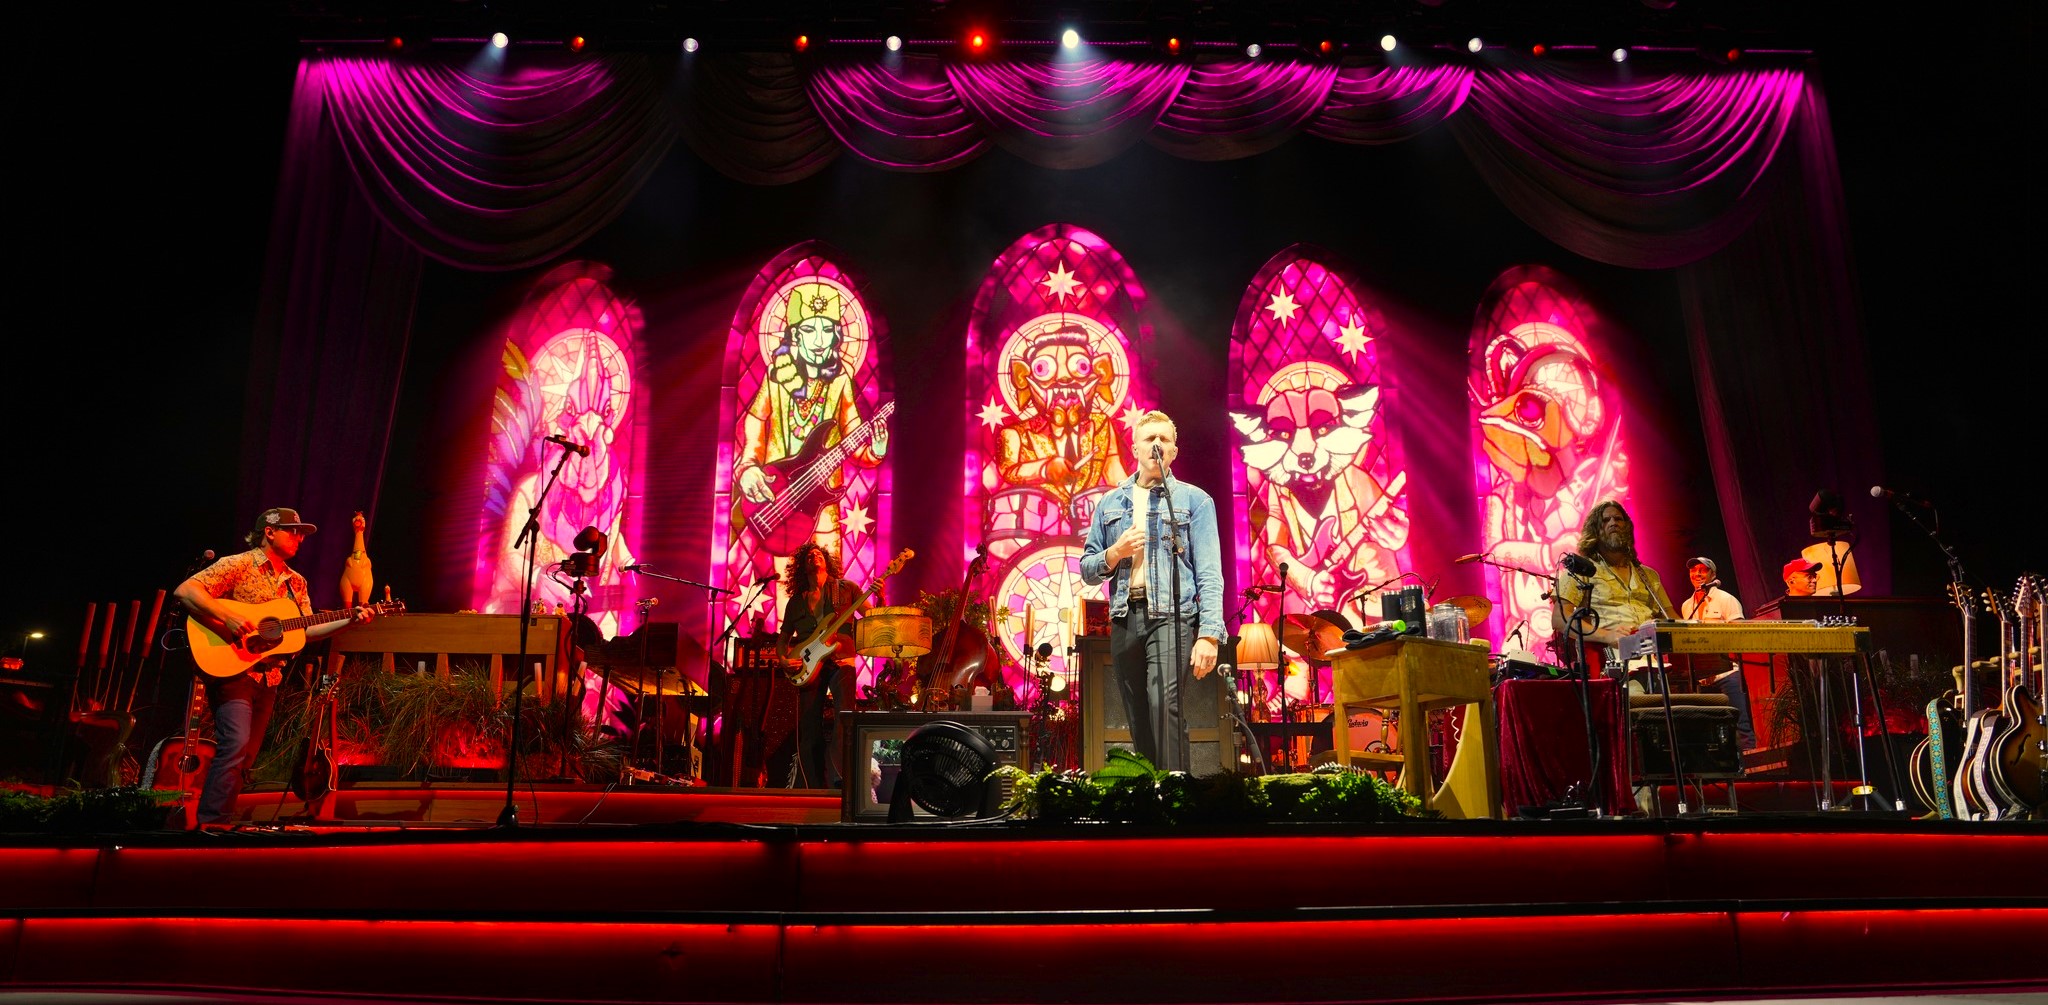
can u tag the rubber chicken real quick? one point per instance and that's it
(355, 572)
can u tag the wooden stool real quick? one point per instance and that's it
(1414, 676)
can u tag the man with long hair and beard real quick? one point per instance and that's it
(817, 590)
(1622, 590)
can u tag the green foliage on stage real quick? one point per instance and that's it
(85, 811)
(1129, 789)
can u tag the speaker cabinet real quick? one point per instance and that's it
(1106, 723)
(1706, 742)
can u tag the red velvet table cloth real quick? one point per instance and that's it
(1543, 741)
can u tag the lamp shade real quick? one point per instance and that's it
(1825, 585)
(1258, 647)
(881, 631)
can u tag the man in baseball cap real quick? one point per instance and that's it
(1801, 577)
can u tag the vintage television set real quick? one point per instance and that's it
(873, 740)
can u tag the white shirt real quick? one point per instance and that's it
(1719, 606)
(1141, 513)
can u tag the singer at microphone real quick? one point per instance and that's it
(1625, 593)
(1154, 539)
(567, 444)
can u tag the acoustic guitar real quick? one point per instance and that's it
(803, 485)
(280, 630)
(181, 762)
(821, 645)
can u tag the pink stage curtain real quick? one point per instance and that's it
(510, 168)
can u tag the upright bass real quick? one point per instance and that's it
(963, 653)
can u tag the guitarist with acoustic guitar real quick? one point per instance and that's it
(817, 593)
(227, 630)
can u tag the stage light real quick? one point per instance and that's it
(1733, 54)
(1619, 55)
(1059, 683)
(1070, 39)
(575, 43)
(1474, 44)
(1173, 46)
(1326, 47)
(1252, 51)
(689, 45)
(801, 42)
(1387, 43)
(395, 43)
(499, 41)
(893, 43)
(1538, 50)
(977, 41)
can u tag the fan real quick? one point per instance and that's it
(946, 769)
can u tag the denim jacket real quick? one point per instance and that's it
(1201, 567)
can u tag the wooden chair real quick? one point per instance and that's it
(1413, 676)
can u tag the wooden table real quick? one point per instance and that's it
(1414, 676)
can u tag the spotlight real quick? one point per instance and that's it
(1325, 47)
(801, 42)
(1538, 50)
(1733, 54)
(1173, 46)
(1474, 44)
(575, 43)
(1070, 39)
(499, 41)
(689, 45)
(977, 41)
(1619, 55)
(1059, 683)
(893, 43)
(395, 43)
(1387, 43)
(1252, 51)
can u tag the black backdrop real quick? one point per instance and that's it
(144, 186)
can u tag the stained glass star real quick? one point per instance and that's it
(1131, 416)
(1354, 339)
(1283, 307)
(857, 522)
(1060, 282)
(993, 414)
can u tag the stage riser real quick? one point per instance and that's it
(1455, 959)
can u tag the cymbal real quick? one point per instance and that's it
(1309, 636)
(1476, 608)
(1336, 618)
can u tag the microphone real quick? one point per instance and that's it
(637, 566)
(767, 578)
(1463, 559)
(1579, 565)
(1044, 651)
(568, 444)
(1158, 453)
(1263, 588)
(1283, 572)
(1902, 498)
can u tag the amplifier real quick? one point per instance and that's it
(1706, 742)
(874, 747)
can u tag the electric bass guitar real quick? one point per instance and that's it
(803, 484)
(822, 644)
(280, 630)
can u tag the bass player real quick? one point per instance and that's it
(817, 589)
(242, 703)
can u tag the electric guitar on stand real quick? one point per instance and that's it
(823, 644)
(280, 630)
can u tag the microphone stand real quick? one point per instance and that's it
(660, 707)
(1237, 718)
(529, 538)
(1178, 666)
(1585, 621)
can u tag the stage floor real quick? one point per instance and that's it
(713, 904)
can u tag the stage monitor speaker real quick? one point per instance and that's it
(1106, 724)
(874, 743)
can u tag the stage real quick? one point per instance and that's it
(1763, 905)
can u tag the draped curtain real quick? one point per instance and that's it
(504, 169)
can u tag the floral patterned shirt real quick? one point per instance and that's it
(247, 578)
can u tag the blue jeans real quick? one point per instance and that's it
(1148, 673)
(240, 715)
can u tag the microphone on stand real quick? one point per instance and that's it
(767, 578)
(1463, 559)
(1902, 498)
(567, 444)
(1579, 565)
(637, 566)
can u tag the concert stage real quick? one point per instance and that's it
(731, 911)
